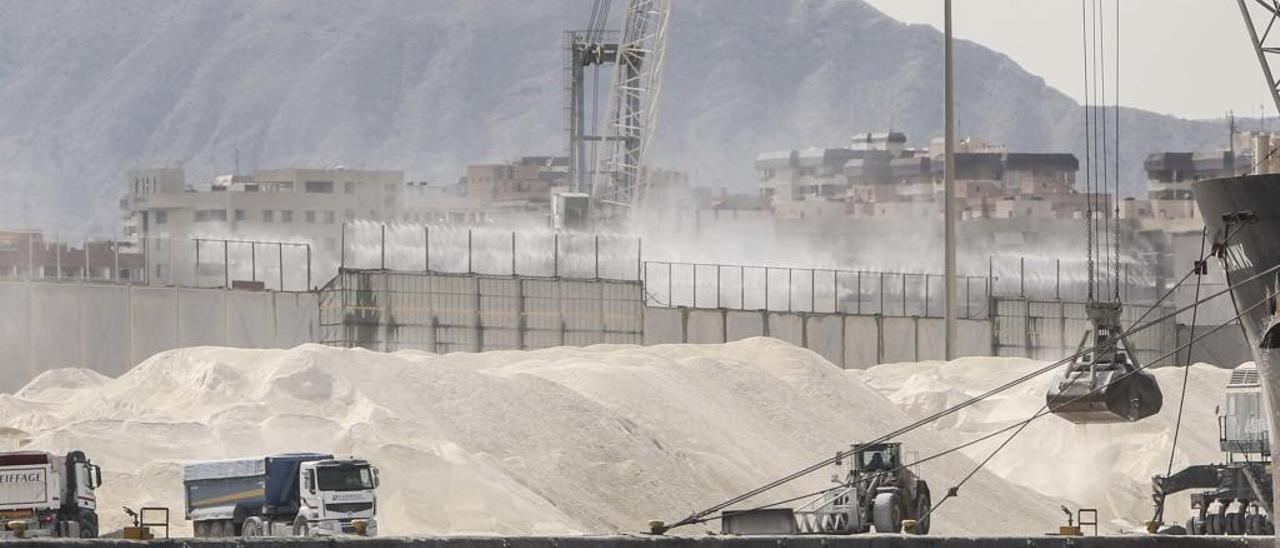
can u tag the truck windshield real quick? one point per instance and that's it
(344, 478)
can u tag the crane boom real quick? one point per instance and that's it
(1260, 42)
(633, 104)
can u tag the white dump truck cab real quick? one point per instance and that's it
(48, 495)
(338, 497)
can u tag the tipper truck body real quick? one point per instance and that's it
(47, 495)
(295, 494)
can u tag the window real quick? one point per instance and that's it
(330, 217)
(268, 216)
(211, 215)
(349, 187)
(321, 187)
(162, 216)
(344, 478)
(311, 216)
(239, 214)
(286, 215)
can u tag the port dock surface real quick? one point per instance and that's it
(708, 541)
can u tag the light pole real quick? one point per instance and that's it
(949, 182)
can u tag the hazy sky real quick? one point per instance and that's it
(1190, 58)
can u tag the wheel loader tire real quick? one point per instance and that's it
(1253, 524)
(1215, 524)
(1235, 523)
(923, 519)
(886, 513)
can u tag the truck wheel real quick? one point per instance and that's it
(887, 513)
(88, 525)
(300, 527)
(252, 527)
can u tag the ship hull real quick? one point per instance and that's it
(1243, 214)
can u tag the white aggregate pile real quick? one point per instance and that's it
(1103, 466)
(563, 440)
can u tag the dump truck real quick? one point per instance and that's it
(295, 494)
(48, 495)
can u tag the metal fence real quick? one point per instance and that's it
(186, 262)
(1051, 329)
(445, 312)
(740, 287)
(446, 249)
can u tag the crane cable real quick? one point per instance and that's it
(1088, 152)
(1044, 410)
(696, 517)
(1200, 269)
(1020, 425)
(1116, 88)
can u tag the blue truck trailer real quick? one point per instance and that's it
(294, 494)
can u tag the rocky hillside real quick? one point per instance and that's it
(89, 89)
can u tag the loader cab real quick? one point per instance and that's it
(876, 457)
(1242, 423)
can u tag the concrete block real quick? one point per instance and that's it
(249, 319)
(56, 337)
(825, 335)
(973, 338)
(155, 321)
(202, 317)
(663, 325)
(15, 333)
(787, 326)
(932, 338)
(899, 336)
(743, 324)
(706, 327)
(861, 342)
(104, 323)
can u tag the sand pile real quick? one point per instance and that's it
(1108, 467)
(562, 440)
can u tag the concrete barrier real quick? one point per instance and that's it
(109, 328)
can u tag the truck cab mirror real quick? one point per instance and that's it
(309, 480)
(375, 476)
(95, 478)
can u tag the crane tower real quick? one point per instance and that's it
(615, 182)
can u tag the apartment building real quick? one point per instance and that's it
(301, 204)
(877, 169)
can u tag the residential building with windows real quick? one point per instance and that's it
(276, 204)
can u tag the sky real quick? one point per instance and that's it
(1188, 58)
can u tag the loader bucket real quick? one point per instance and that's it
(1111, 395)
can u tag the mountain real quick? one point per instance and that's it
(89, 89)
